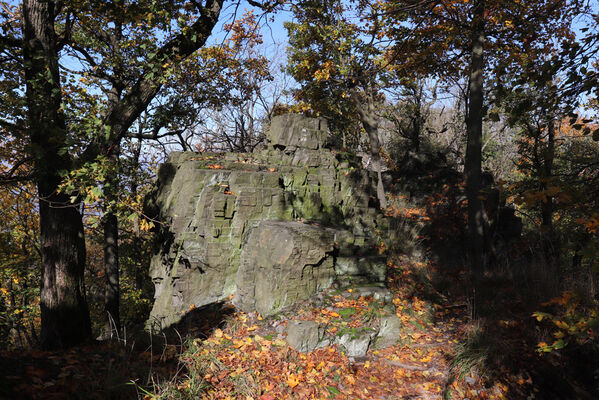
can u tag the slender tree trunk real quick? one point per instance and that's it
(473, 163)
(548, 159)
(550, 245)
(137, 239)
(370, 123)
(64, 312)
(111, 272)
(111, 248)
(112, 326)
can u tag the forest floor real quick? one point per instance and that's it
(248, 359)
(441, 352)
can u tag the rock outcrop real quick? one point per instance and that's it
(266, 228)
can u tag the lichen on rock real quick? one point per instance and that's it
(268, 228)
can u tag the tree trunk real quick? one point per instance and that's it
(137, 239)
(111, 272)
(473, 162)
(64, 312)
(112, 327)
(548, 158)
(370, 123)
(550, 245)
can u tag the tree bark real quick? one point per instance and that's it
(137, 239)
(111, 272)
(64, 312)
(370, 123)
(473, 162)
(551, 248)
(548, 159)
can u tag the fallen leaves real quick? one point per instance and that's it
(251, 360)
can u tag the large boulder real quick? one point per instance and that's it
(217, 236)
(283, 262)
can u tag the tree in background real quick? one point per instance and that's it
(338, 55)
(55, 148)
(475, 41)
(19, 266)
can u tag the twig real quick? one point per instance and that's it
(409, 366)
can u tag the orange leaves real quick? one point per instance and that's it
(534, 197)
(269, 369)
(575, 322)
(591, 224)
(292, 380)
(215, 166)
(244, 30)
(325, 71)
(332, 314)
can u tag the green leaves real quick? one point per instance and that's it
(572, 322)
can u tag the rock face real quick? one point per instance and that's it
(283, 262)
(268, 228)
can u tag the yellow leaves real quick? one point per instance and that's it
(561, 324)
(239, 343)
(539, 316)
(426, 359)
(325, 71)
(292, 381)
(145, 225)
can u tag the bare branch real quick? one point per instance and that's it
(267, 6)
(154, 135)
(125, 112)
(6, 180)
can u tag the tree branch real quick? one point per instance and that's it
(153, 135)
(6, 180)
(267, 6)
(7, 41)
(125, 112)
